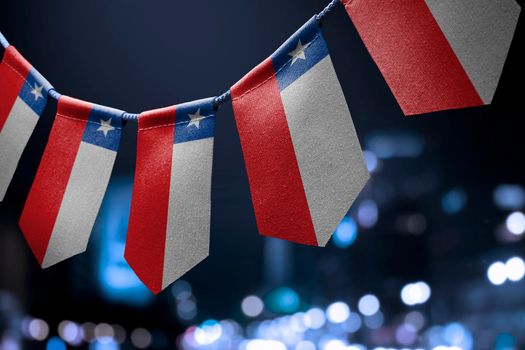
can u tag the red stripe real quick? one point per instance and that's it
(278, 196)
(13, 72)
(44, 200)
(413, 54)
(148, 220)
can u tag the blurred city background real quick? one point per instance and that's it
(431, 255)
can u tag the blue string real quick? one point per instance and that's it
(218, 101)
(325, 11)
(54, 94)
(130, 116)
(4, 41)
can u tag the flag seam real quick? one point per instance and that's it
(170, 124)
(273, 75)
(82, 120)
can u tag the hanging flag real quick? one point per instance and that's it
(304, 162)
(169, 225)
(437, 54)
(23, 97)
(71, 180)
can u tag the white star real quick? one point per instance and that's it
(105, 126)
(37, 91)
(298, 53)
(195, 119)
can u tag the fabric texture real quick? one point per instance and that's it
(437, 55)
(304, 162)
(22, 101)
(169, 227)
(71, 180)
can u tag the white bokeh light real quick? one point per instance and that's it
(252, 306)
(38, 329)
(334, 344)
(314, 318)
(516, 223)
(338, 312)
(415, 293)
(515, 269)
(497, 273)
(260, 344)
(368, 305)
(305, 345)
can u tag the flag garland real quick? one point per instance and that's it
(304, 162)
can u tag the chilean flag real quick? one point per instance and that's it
(437, 54)
(169, 225)
(304, 162)
(71, 180)
(23, 97)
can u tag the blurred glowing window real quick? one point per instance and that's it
(117, 280)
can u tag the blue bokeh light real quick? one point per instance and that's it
(345, 234)
(106, 345)
(283, 300)
(509, 197)
(454, 201)
(55, 343)
(387, 145)
(505, 341)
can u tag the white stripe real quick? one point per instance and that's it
(480, 33)
(188, 229)
(326, 146)
(82, 199)
(13, 139)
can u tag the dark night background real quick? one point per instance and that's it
(442, 187)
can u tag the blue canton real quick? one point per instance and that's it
(194, 120)
(310, 43)
(35, 85)
(104, 127)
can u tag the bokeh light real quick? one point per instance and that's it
(370, 160)
(338, 312)
(515, 269)
(345, 233)
(140, 338)
(368, 305)
(283, 300)
(314, 318)
(38, 329)
(497, 273)
(252, 306)
(454, 201)
(305, 345)
(516, 223)
(367, 213)
(415, 293)
(208, 332)
(509, 197)
(55, 343)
